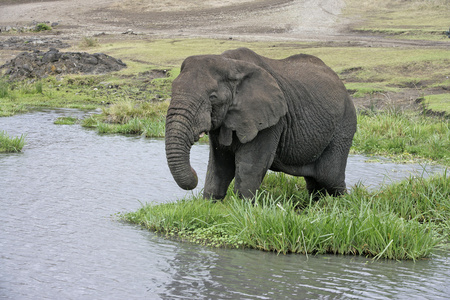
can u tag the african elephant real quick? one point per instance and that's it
(292, 115)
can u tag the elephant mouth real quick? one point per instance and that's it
(202, 134)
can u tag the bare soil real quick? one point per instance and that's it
(274, 20)
(249, 20)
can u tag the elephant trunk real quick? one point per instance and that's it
(179, 140)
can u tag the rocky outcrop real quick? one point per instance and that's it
(39, 64)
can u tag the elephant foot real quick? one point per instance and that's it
(318, 190)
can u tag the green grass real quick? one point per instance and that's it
(66, 121)
(11, 144)
(406, 135)
(438, 103)
(402, 133)
(42, 27)
(154, 127)
(365, 71)
(130, 117)
(407, 220)
(384, 68)
(82, 92)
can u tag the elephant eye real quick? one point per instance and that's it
(213, 97)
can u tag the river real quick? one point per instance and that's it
(60, 239)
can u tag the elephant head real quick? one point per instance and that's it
(217, 94)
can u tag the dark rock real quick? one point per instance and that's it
(39, 64)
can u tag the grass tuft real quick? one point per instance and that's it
(66, 121)
(11, 144)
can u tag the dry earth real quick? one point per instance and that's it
(280, 20)
(267, 19)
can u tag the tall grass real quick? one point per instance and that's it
(146, 127)
(11, 144)
(131, 117)
(405, 220)
(124, 111)
(405, 133)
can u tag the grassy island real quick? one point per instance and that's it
(406, 220)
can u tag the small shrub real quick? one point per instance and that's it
(89, 42)
(42, 27)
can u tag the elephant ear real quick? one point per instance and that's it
(258, 101)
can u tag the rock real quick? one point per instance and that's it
(39, 64)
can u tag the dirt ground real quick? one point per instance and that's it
(247, 20)
(275, 20)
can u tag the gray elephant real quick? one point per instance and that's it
(292, 115)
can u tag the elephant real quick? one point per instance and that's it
(292, 115)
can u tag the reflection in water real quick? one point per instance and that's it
(58, 239)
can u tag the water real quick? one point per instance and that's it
(59, 238)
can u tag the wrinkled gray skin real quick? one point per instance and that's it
(292, 115)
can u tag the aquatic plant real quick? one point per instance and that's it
(405, 220)
(65, 121)
(11, 144)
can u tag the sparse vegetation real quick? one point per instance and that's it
(416, 19)
(42, 27)
(438, 103)
(88, 42)
(65, 121)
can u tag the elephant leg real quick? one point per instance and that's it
(219, 174)
(329, 170)
(253, 159)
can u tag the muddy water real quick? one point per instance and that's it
(59, 240)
